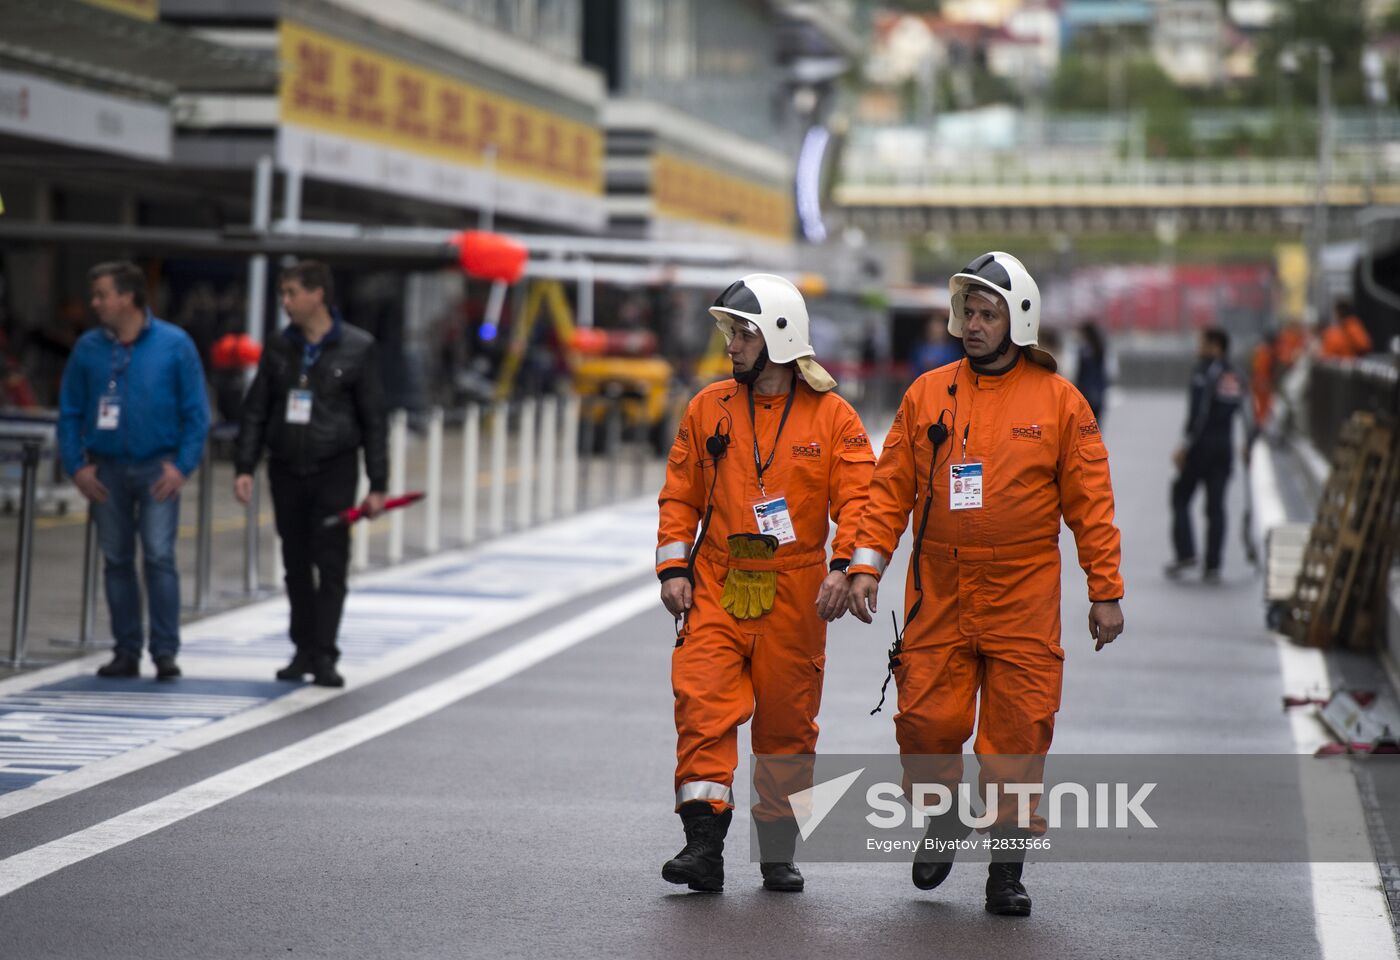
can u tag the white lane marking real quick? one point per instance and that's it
(66, 784)
(1269, 511)
(1351, 916)
(34, 864)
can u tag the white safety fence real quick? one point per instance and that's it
(484, 471)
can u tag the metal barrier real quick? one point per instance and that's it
(529, 410)
(203, 545)
(500, 424)
(398, 464)
(471, 469)
(558, 442)
(1339, 388)
(24, 555)
(432, 535)
(87, 617)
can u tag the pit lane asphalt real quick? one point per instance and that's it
(531, 819)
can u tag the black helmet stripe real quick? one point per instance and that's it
(988, 269)
(739, 297)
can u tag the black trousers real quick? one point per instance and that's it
(1214, 471)
(300, 504)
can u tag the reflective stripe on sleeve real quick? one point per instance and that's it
(866, 557)
(672, 551)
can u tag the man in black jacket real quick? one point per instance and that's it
(316, 400)
(1204, 456)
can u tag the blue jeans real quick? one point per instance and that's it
(131, 509)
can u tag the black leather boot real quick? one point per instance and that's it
(700, 864)
(325, 673)
(1006, 897)
(783, 877)
(302, 666)
(777, 847)
(932, 866)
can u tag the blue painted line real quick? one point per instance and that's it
(66, 725)
(184, 687)
(459, 592)
(18, 781)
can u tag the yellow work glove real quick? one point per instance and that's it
(749, 594)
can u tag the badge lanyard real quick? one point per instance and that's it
(310, 353)
(121, 359)
(759, 463)
(299, 398)
(109, 404)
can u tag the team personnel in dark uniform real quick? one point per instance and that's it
(1205, 455)
(316, 402)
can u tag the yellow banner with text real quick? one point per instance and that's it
(349, 90)
(692, 191)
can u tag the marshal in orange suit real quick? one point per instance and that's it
(988, 454)
(761, 465)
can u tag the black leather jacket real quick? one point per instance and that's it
(347, 408)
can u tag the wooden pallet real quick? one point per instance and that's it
(1351, 542)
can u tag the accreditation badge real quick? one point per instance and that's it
(965, 486)
(109, 412)
(774, 519)
(299, 406)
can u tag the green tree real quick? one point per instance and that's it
(1301, 28)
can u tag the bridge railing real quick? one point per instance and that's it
(1071, 171)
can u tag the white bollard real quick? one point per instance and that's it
(279, 572)
(359, 533)
(525, 485)
(500, 427)
(568, 487)
(471, 466)
(398, 464)
(432, 518)
(549, 441)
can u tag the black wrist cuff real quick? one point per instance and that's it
(838, 565)
(671, 573)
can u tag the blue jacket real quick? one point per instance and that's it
(159, 384)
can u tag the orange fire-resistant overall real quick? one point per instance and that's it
(990, 614)
(725, 670)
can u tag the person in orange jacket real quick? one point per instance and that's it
(989, 453)
(1347, 335)
(759, 463)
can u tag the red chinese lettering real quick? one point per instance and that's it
(412, 95)
(452, 112)
(522, 136)
(366, 82)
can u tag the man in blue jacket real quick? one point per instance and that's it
(133, 418)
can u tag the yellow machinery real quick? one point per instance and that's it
(616, 366)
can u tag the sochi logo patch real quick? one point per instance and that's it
(1027, 431)
(807, 451)
(1087, 430)
(857, 442)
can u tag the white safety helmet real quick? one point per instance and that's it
(1007, 277)
(772, 306)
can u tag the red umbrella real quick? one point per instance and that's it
(354, 514)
